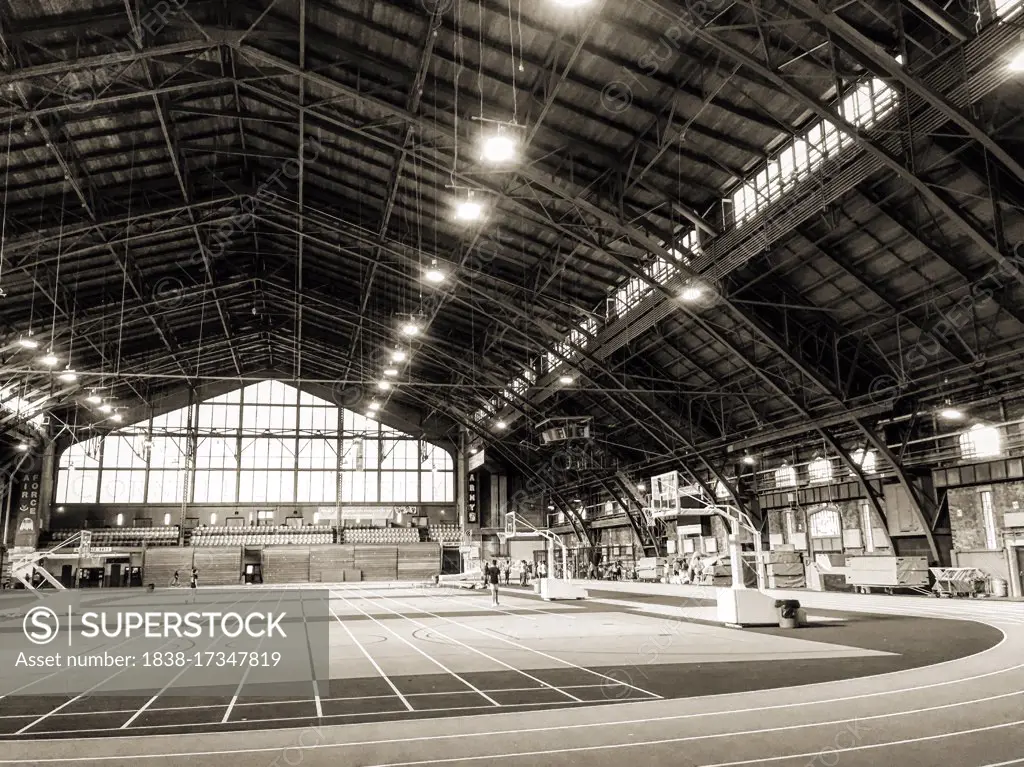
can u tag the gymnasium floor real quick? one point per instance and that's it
(423, 652)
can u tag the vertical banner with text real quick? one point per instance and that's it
(26, 533)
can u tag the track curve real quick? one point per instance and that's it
(968, 712)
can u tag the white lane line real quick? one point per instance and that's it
(290, 702)
(509, 666)
(256, 721)
(380, 671)
(524, 731)
(487, 633)
(245, 675)
(667, 741)
(67, 703)
(582, 726)
(436, 662)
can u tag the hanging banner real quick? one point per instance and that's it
(476, 460)
(26, 534)
(471, 510)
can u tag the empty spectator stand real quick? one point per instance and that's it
(120, 537)
(446, 535)
(261, 536)
(380, 535)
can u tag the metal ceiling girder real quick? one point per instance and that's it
(856, 469)
(172, 152)
(996, 37)
(398, 162)
(916, 503)
(941, 19)
(35, 241)
(881, 62)
(643, 533)
(862, 280)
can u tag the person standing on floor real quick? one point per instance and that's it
(508, 571)
(524, 573)
(492, 578)
(174, 580)
(193, 583)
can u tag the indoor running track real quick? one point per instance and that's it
(968, 712)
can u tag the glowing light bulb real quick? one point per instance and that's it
(499, 148)
(468, 210)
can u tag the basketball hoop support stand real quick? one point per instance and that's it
(550, 588)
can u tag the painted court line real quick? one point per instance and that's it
(485, 632)
(245, 675)
(482, 653)
(433, 660)
(379, 670)
(523, 731)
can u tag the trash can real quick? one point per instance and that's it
(789, 613)
(999, 587)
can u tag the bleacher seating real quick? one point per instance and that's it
(447, 535)
(381, 535)
(121, 536)
(222, 535)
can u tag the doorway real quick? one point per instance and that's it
(1019, 551)
(254, 573)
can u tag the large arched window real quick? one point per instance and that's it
(266, 443)
(826, 529)
(981, 441)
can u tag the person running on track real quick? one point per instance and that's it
(492, 577)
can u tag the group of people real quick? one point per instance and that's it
(497, 573)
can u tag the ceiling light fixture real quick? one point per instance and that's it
(498, 148)
(371, 415)
(374, 405)
(566, 380)
(69, 375)
(434, 273)
(469, 210)
(749, 460)
(1017, 63)
(411, 328)
(398, 356)
(691, 293)
(383, 385)
(94, 399)
(28, 342)
(392, 372)
(117, 417)
(500, 425)
(49, 359)
(106, 409)
(22, 447)
(950, 413)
